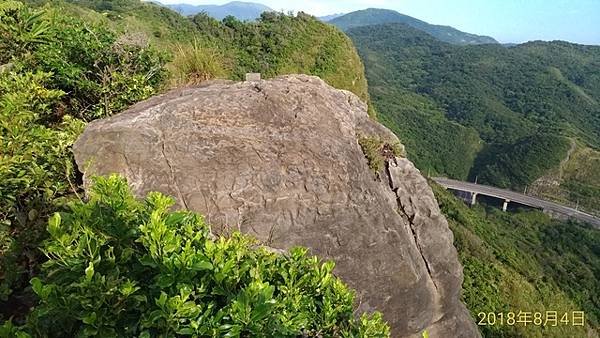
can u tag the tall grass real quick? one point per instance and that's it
(195, 63)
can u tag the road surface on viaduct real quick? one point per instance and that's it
(512, 196)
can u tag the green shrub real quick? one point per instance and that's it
(21, 29)
(118, 266)
(35, 168)
(59, 69)
(102, 72)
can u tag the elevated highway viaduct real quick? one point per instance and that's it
(511, 196)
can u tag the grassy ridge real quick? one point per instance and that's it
(273, 45)
(281, 44)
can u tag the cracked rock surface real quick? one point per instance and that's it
(279, 160)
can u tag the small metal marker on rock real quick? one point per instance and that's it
(252, 76)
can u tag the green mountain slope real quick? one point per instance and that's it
(525, 261)
(280, 44)
(524, 102)
(376, 16)
(508, 116)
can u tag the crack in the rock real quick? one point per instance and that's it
(410, 221)
(172, 173)
(127, 164)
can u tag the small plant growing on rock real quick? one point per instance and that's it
(376, 151)
(121, 267)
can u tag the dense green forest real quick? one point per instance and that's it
(525, 261)
(63, 64)
(504, 115)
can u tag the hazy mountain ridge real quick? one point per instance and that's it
(239, 9)
(374, 16)
(330, 16)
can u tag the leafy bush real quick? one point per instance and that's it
(102, 72)
(21, 29)
(58, 68)
(35, 167)
(118, 266)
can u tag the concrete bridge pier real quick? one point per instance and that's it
(473, 198)
(505, 205)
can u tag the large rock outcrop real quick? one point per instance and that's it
(279, 160)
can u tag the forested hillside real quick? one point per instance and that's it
(504, 115)
(525, 261)
(63, 64)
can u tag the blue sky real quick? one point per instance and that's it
(506, 20)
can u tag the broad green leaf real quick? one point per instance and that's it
(202, 265)
(89, 272)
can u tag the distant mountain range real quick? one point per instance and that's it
(376, 16)
(329, 17)
(371, 16)
(240, 10)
